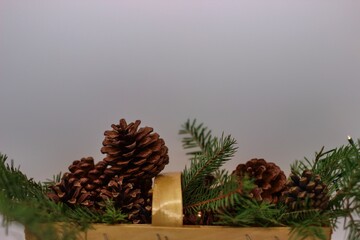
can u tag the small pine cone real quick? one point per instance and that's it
(79, 186)
(269, 179)
(133, 199)
(132, 153)
(305, 192)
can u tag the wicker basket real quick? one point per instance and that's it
(167, 222)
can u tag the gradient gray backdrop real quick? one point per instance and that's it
(282, 77)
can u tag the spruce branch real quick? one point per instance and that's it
(24, 201)
(11, 176)
(221, 199)
(214, 197)
(301, 215)
(198, 137)
(307, 223)
(301, 231)
(211, 154)
(205, 164)
(250, 213)
(35, 221)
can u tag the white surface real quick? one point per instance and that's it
(281, 76)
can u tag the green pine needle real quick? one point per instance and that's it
(113, 215)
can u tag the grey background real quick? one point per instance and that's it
(281, 76)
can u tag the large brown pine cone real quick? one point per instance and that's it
(306, 191)
(268, 177)
(81, 185)
(133, 153)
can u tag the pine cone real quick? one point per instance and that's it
(305, 192)
(80, 185)
(132, 153)
(86, 185)
(134, 199)
(269, 179)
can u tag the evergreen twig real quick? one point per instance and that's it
(193, 178)
(199, 138)
(213, 153)
(250, 213)
(214, 198)
(24, 201)
(205, 164)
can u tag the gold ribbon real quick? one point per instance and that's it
(167, 209)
